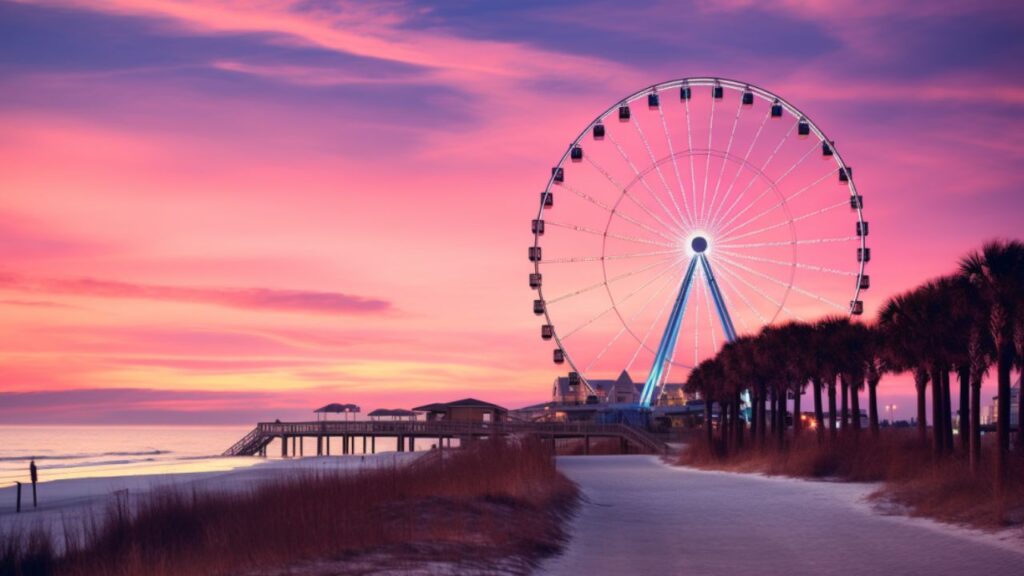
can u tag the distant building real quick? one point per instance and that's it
(465, 410)
(993, 412)
(392, 414)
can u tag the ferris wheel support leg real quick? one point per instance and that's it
(668, 339)
(723, 315)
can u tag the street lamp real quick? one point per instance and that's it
(892, 409)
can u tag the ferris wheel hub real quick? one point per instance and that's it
(699, 244)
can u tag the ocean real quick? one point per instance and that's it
(63, 452)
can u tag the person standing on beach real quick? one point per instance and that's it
(34, 474)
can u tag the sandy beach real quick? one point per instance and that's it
(61, 500)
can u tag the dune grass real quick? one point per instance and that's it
(911, 476)
(495, 500)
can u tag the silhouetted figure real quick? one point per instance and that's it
(34, 474)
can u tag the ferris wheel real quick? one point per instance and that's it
(684, 215)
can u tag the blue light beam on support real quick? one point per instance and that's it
(716, 296)
(668, 339)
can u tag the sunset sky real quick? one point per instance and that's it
(231, 211)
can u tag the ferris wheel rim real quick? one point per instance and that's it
(700, 81)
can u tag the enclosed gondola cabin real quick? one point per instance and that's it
(776, 110)
(685, 93)
(535, 253)
(748, 98)
(717, 92)
(863, 254)
(598, 131)
(653, 101)
(547, 199)
(803, 128)
(856, 307)
(624, 114)
(547, 332)
(576, 154)
(862, 228)
(826, 149)
(857, 202)
(537, 227)
(538, 307)
(845, 174)
(558, 174)
(535, 280)
(558, 356)
(574, 378)
(865, 282)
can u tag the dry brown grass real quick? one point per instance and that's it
(941, 488)
(492, 500)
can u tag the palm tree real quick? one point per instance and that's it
(703, 380)
(902, 321)
(828, 350)
(876, 364)
(997, 270)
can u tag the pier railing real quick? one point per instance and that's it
(264, 432)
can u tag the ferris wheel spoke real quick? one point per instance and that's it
(728, 301)
(693, 178)
(728, 149)
(739, 167)
(800, 218)
(799, 265)
(603, 233)
(788, 285)
(628, 256)
(666, 284)
(711, 318)
(791, 242)
(669, 228)
(618, 213)
(657, 167)
(782, 202)
(647, 334)
(760, 171)
(707, 161)
(675, 167)
(725, 264)
(643, 182)
(775, 185)
(610, 281)
(728, 280)
(620, 302)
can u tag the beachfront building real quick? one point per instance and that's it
(346, 411)
(465, 410)
(391, 414)
(622, 390)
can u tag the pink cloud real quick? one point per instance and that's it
(268, 299)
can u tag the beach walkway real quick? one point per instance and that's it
(644, 517)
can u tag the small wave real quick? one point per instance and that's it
(83, 456)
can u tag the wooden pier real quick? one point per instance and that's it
(406, 433)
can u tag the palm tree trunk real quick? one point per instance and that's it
(844, 403)
(858, 381)
(873, 404)
(938, 435)
(976, 423)
(1004, 365)
(963, 374)
(947, 413)
(738, 421)
(831, 406)
(781, 435)
(819, 416)
(761, 414)
(771, 409)
(798, 423)
(708, 432)
(921, 383)
(755, 397)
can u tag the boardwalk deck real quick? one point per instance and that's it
(257, 440)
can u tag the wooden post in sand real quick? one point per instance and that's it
(373, 445)
(412, 443)
(364, 444)
(284, 446)
(319, 445)
(18, 507)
